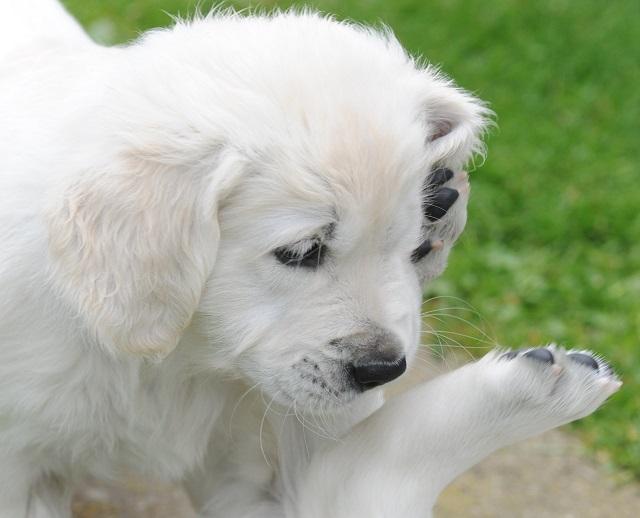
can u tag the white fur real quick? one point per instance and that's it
(143, 190)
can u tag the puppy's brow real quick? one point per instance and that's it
(323, 232)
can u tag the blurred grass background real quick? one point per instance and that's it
(552, 247)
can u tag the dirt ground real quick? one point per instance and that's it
(546, 477)
(549, 476)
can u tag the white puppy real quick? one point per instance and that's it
(237, 205)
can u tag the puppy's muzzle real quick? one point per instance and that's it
(377, 357)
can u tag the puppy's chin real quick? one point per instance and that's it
(312, 398)
(308, 391)
(324, 404)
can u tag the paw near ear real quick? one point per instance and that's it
(445, 198)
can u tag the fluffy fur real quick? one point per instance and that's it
(143, 191)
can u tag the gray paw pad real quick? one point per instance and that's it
(439, 199)
(440, 176)
(584, 359)
(438, 205)
(541, 354)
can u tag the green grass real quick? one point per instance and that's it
(552, 248)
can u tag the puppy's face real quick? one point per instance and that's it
(314, 292)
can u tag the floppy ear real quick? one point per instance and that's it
(456, 122)
(132, 245)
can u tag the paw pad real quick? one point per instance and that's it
(584, 359)
(541, 354)
(440, 176)
(439, 202)
(424, 249)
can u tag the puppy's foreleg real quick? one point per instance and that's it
(253, 469)
(395, 463)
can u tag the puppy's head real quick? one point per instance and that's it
(269, 189)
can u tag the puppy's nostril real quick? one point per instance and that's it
(372, 374)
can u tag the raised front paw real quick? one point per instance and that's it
(551, 385)
(446, 195)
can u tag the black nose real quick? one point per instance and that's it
(372, 374)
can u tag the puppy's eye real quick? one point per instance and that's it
(311, 258)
